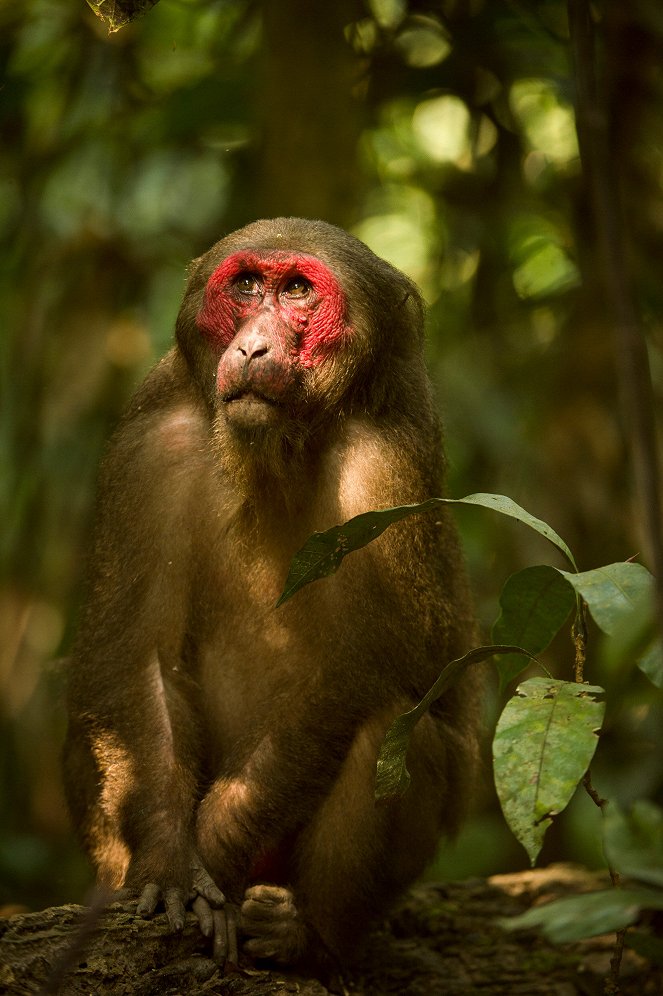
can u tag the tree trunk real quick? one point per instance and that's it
(310, 112)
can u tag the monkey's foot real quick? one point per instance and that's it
(273, 925)
(204, 897)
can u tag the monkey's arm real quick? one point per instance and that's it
(330, 688)
(131, 751)
(246, 819)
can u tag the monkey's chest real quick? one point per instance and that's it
(257, 661)
(258, 664)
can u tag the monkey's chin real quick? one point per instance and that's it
(252, 411)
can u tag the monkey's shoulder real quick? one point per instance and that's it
(375, 466)
(165, 422)
(159, 456)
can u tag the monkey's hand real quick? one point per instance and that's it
(273, 925)
(204, 896)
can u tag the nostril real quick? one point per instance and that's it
(253, 348)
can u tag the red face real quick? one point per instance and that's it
(275, 316)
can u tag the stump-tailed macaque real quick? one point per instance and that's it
(221, 751)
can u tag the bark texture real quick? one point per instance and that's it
(442, 939)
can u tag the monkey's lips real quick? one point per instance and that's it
(249, 409)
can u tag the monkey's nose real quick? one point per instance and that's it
(251, 347)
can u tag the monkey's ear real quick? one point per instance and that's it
(412, 307)
(191, 301)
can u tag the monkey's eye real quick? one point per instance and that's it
(247, 283)
(297, 287)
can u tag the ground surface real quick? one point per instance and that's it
(443, 939)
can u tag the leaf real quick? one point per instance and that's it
(393, 778)
(634, 842)
(535, 604)
(544, 742)
(651, 663)
(566, 920)
(500, 503)
(323, 553)
(118, 13)
(613, 593)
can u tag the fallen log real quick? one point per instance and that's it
(444, 938)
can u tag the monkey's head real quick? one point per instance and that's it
(288, 323)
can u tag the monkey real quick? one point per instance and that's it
(221, 751)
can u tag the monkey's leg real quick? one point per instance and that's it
(355, 856)
(96, 823)
(140, 845)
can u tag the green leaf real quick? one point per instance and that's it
(500, 503)
(535, 604)
(323, 553)
(566, 920)
(393, 778)
(118, 13)
(544, 742)
(634, 842)
(613, 593)
(651, 663)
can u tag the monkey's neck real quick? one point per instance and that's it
(273, 472)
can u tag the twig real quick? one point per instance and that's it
(611, 984)
(580, 641)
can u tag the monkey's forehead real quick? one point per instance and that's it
(287, 234)
(356, 267)
(291, 234)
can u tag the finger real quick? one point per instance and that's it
(231, 930)
(256, 911)
(174, 904)
(205, 886)
(266, 895)
(202, 910)
(261, 947)
(149, 898)
(220, 945)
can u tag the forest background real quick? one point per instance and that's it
(443, 135)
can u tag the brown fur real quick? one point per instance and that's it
(207, 725)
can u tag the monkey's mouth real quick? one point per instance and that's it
(248, 409)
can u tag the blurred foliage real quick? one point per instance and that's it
(117, 13)
(441, 133)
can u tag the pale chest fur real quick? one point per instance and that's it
(254, 656)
